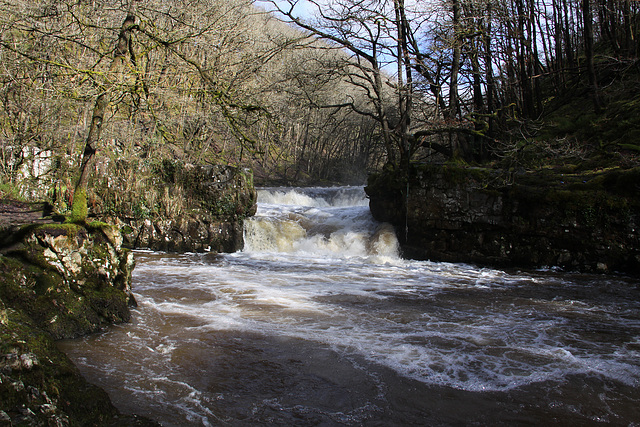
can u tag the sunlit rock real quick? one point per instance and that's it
(58, 281)
(71, 279)
(186, 208)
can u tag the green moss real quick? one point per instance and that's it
(97, 225)
(67, 229)
(53, 382)
(10, 190)
(79, 210)
(247, 175)
(573, 122)
(127, 229)
(460, 174)
(224, 206)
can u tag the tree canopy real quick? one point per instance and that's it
(457, 74)
(300, 91)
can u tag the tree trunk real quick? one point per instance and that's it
(628, 40)
(455, 62)
(568, 46)
(79, 209)
(588, 48)
(488, 60)
(559, 58)
(524, 61)
(405, 84)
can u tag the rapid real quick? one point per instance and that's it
(320, 321)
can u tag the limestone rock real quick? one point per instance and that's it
(186, 208)
(58, 281)
(72, 280)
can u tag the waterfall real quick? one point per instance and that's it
(319, 222)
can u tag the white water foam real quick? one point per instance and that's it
(421, 320)
(313, 196)
(320, 289)
(316, 222)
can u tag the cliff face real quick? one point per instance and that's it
(586, 222)
(164, 205)
(179, 207)
(70, 279)
(57, 281)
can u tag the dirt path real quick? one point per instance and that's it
(13, 213)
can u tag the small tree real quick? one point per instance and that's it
(79, 208)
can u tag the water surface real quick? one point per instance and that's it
(319, 321)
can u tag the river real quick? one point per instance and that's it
(319, 321)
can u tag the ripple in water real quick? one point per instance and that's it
(319, 321)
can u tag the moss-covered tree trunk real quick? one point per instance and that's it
(79, 209)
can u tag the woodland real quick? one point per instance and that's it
(105, 104)
(308, 92)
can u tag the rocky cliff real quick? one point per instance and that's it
(579, 221)
(57, 281)
(178, 207)
(158, 204)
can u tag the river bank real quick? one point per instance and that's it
(60, 280)
(57, 281)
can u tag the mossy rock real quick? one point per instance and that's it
(558, 215)
(42, 298)
(39, 385)
(69, 279)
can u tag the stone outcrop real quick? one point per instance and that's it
(183, 234)
(182, 208)
(158, 204)
(61, 280)
(58, 281)
(71, 279)
(586, 222)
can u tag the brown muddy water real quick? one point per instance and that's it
(320, 322)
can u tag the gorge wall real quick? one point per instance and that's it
(585, 222)
(165, 205)
(178, 207)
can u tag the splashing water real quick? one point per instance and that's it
(319, 321)
(318, 223)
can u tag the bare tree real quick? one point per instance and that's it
(376, 36)
(166, 57)
(122, 49)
